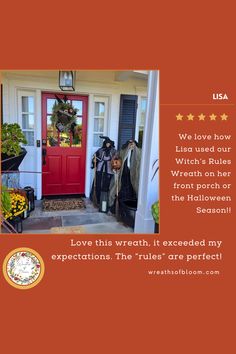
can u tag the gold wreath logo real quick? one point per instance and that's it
(23, 268)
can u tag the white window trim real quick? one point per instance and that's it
(32, 149)
(102, 99)
(138, 119)
(20, 94)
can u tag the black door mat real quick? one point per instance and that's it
(63, 204)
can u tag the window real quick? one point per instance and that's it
(100, 120)
(71, 138)
(27, 112)
(142, 119)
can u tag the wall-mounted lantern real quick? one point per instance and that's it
(67, 80)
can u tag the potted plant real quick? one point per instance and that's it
(14, 203)
(155, 215)
(12, 153)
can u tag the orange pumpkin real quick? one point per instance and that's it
(116, 163)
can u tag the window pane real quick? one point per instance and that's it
(97, 142)
(79, 121)
(142, 119)
(98, 125)
(52, 138)
(27, 121)
(50, 104)
(79, 106)
(143, 104)
(65, 139)
(143, 111)
(27, 104)
(52, 133)
(49, 122)
(99, 109)
(30, 138)
(77, 133)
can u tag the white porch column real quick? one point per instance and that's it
(148, 188)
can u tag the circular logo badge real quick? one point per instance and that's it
(23, 268)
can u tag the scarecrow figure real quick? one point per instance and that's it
(126, 186)
(103, 173)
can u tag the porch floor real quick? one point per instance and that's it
(79, 221)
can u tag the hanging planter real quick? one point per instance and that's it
(12, 163)
(12, 153)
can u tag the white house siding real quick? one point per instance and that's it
(93, 83)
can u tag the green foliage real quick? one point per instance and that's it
(5, 200)
(155, 212)
(12, 137)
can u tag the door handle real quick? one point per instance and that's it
(44, 153)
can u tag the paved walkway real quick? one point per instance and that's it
(79, 221)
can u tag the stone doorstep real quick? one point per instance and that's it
(68, 230)
(108, 228)
(101, 228)
(87, 219)
(33, 232)
(46, 223)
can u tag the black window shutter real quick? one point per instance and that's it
(127, 121)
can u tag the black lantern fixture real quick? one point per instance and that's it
(67, 80)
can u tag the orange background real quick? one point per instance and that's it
(116, 308)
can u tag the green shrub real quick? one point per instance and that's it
(12, 138)
(155, 212)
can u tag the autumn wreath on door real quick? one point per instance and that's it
(63, 115)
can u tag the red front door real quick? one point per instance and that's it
(64, 152)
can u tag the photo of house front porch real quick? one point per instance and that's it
(120, 105)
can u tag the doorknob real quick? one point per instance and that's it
(44, 153)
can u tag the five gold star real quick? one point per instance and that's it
(201, 116)
(224, 117)
(179, 117)
(190, 116)
(212, 116)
